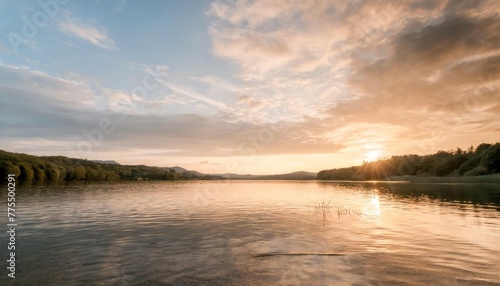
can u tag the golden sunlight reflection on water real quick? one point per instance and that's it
(260, 233)
(374, 205)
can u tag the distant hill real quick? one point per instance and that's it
(238, 176)
(177, 169)
(301, 175)
(181, 170)
(109, 162)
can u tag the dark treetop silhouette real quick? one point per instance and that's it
(484, 160)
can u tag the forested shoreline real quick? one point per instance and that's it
(480, 161)
(483, 160)
(54, 168)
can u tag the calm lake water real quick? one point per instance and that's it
(257, 233)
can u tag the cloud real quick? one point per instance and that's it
(250, 103)
(120, 101)
(440, 69)
(186, 91)
(450, 41)
(75, 27)
(157, 105)
(140, 66)
(377, 70)
(60, 112)
(43, 89)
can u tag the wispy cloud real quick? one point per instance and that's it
(186, 91)
(56, 115)
(137, 65)
(75, 27)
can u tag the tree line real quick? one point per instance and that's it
(483, 160)
(53, 168)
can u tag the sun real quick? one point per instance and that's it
(372, 155)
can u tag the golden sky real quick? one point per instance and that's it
(249, 86)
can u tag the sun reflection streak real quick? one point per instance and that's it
(374, 207)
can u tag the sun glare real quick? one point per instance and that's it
(372, 155)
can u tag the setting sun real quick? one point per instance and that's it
(372, 155)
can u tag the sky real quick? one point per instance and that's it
(254, 87)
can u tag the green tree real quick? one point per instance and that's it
(170, 175)
(26, 173)
(39, 174)
(481, 148)
(449, 165)
(51, 171)
(91, 174)
(491, 159)
(62, 173)
(406, 167)
(12, 169)
(469, 164)
(78, 173)
(478, 171)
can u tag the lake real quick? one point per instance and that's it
(257, 233)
